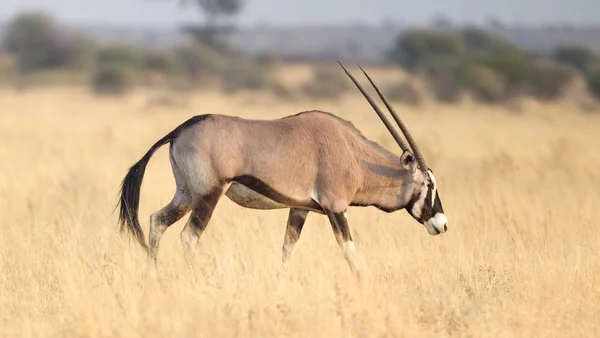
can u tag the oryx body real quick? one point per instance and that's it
(311, 161)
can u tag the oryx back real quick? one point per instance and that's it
(269, 164)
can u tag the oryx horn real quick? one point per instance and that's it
(409, 138)
(384, 119)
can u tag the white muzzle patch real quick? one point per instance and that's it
(437, 224)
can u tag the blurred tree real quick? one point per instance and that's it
(198, 59)
(486, 84)
(119, 54)
(511, 67)
(479, 41)
(405, 92)
(214, 27)
(31, 38)
(577, 57)
(113, 79)
(325, 83)
(244, 75)
(593, 82)
(160, 62)
(37, 44)
(548, 79)
(75, 52)
(412, 48)
(489, 65)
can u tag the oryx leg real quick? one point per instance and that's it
(162, 219)
(174, 211)
(202, 210)
(295, 222)
(339, 224)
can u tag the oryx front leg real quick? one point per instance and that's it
(202, 211)
(295, 222)
(341, 230)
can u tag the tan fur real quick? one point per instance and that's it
(293, 155)
(311, 161)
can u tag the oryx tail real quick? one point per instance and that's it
(132, 183)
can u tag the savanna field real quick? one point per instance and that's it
(521, 256)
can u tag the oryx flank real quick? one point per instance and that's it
(311, 161)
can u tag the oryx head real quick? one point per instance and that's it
(424, 204)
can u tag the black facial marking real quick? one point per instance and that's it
(426, 211)
(437, 205)
(411, 203)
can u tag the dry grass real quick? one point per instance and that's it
(521, 257)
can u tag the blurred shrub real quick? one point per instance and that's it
(30, 37)
(438, 66)
(445, 89)
(326, 83)
(411, 48)
(512, 68)
(481, 42)
(593, 82)
(282, 92)
(117, 67)
(485, 84)
(405, 92)
(113, 79)
(37, 44)
(486, 64)
(160, 62)
(197, 59)
(547, 79)
(580, 58)
(77, 52)
(7, 69)
(244, 75)
(266, 59)
(118, 54)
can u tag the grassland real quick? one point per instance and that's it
(521, 257)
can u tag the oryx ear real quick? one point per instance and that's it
(408, 161)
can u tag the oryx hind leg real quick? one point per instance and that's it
(341, 230)
(164, 218)
(161, 220)
(202, 210)
(295, 222)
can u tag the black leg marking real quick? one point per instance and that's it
(340, 227)
(264, 189)
(296, 219)
(198, 221)
(341, 230)
(163, 219)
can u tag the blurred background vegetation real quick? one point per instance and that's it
(446, 63)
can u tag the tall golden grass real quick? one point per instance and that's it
(521, 257)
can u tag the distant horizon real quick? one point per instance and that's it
(279, 25)
(165, 14)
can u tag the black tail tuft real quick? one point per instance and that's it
(132, 183)
(130, 193)
(130, 200)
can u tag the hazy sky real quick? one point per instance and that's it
(166, 13)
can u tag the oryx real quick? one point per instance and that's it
(311, 161)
